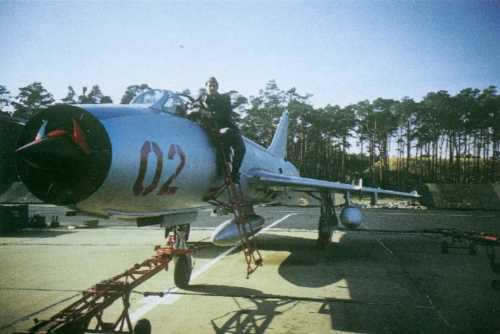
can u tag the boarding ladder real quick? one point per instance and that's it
(236, 205)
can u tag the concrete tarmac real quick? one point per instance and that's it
(385, 278)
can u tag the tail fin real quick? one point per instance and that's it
(278, 145)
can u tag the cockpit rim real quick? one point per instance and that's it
(159, 104)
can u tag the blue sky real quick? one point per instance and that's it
(342, 52)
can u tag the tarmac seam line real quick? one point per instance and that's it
(307, 299)
(416, 285)
(39, 311)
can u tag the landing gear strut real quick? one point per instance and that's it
(327, 222)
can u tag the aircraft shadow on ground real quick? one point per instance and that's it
(252, 320)
(386, 277)
(303, 265)
(379, 286)
(224, 290)
(254, 316)
(385, 290)
(308, 266)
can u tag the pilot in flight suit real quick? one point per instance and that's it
(220, 107)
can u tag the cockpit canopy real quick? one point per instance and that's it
(161, 100)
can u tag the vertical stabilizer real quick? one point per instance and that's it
(278, 145)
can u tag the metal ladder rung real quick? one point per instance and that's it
(239, 209)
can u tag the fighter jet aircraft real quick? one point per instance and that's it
(149, 162)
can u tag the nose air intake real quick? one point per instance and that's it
(64, 154)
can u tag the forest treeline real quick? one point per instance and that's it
(397, 143)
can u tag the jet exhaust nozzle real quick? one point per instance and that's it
(351, 217)
(227, 233)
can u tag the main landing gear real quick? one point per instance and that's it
(183, 264)
(328, 221)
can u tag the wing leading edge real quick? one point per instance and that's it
(263, 179)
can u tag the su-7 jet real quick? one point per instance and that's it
(148, 161)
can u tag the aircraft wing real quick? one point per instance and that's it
(264, 179)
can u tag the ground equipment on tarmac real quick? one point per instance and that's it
(470, 241)
(86, 315)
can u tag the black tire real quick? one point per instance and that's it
(182, 271)
(143, 326)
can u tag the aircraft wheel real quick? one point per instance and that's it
(473, 248)
(182, 271)
(142, 326)
(444, 247)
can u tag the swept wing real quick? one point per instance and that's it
(264, 179)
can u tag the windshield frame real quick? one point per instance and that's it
(160, 104)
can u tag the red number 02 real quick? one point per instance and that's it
(166, 189)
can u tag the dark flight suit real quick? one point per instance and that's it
(220, 106)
